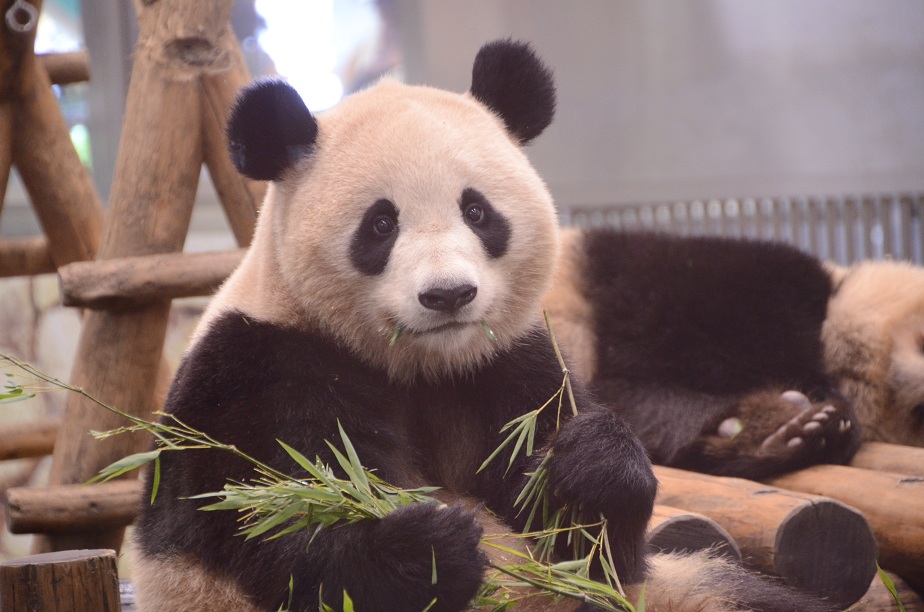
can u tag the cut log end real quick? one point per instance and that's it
(826, 548)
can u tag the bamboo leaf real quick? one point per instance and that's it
(273, 520)
(125, 464)
(890, 585)
(155, 481)
(354, 458)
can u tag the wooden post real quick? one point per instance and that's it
(813, 543)
(675, 530)
(60, 188)
(240, 197)
(892, 503)
(160, 157)
(69, 581)
(884, 457)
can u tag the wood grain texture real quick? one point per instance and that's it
(892, 503)
(25, 256)
(676, 530)
(121, 282)
(812, 542)
(72, 508)
(69, 581)
(885, 457)
(30, 439)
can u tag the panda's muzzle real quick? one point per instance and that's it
(447, 300)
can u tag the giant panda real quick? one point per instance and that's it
(393, 286)
(873, 339)
(710, 348)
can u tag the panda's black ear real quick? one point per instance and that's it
(512, 81)
(269, 130)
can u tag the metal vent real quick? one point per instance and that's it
(841, 229)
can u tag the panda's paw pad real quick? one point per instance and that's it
(813, 427)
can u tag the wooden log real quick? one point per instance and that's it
(160, 158)
(111, 283)
(895, 458)
(72, 508)
(6, 147)
(59, 186)
(240, 197)
(816, 544)
(68, 581)
(878, 598)
(892, 503)
(25, 257)
(66, 68)
(30, 439)
(676, 530)
(16, 56)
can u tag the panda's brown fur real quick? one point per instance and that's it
(393, 288)
(874, 347)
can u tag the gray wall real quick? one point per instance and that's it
(673, 99)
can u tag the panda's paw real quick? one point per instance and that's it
(598, 465)
(817, 431)
(429, 550)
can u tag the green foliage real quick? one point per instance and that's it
(891, 587)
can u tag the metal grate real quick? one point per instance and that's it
(841, 229)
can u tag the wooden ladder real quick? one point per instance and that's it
(187, 70)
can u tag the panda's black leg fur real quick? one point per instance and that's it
(422, 556)
(599, 466)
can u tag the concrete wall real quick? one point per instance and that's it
(669, 99)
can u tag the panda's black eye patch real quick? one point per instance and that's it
(491, 227)
(374, 238)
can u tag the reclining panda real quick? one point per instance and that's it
(393, 286)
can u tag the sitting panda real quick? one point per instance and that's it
(710, 348)
(873, 339)
(393, 286)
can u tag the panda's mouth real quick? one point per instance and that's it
(445, 327)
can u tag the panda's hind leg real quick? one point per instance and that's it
(775, 431)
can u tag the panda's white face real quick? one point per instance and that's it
(417, 232)
(874, 332)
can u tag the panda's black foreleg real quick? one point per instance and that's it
(600, 467)
(419, 557)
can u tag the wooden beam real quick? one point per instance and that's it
(892, 503)
(884, 457)
(814, 543)
(72, 581)
(72, 508)
(30, 439)
(117, 282)
(66, 68)
(25, 256)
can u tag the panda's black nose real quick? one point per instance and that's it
(448, 299)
